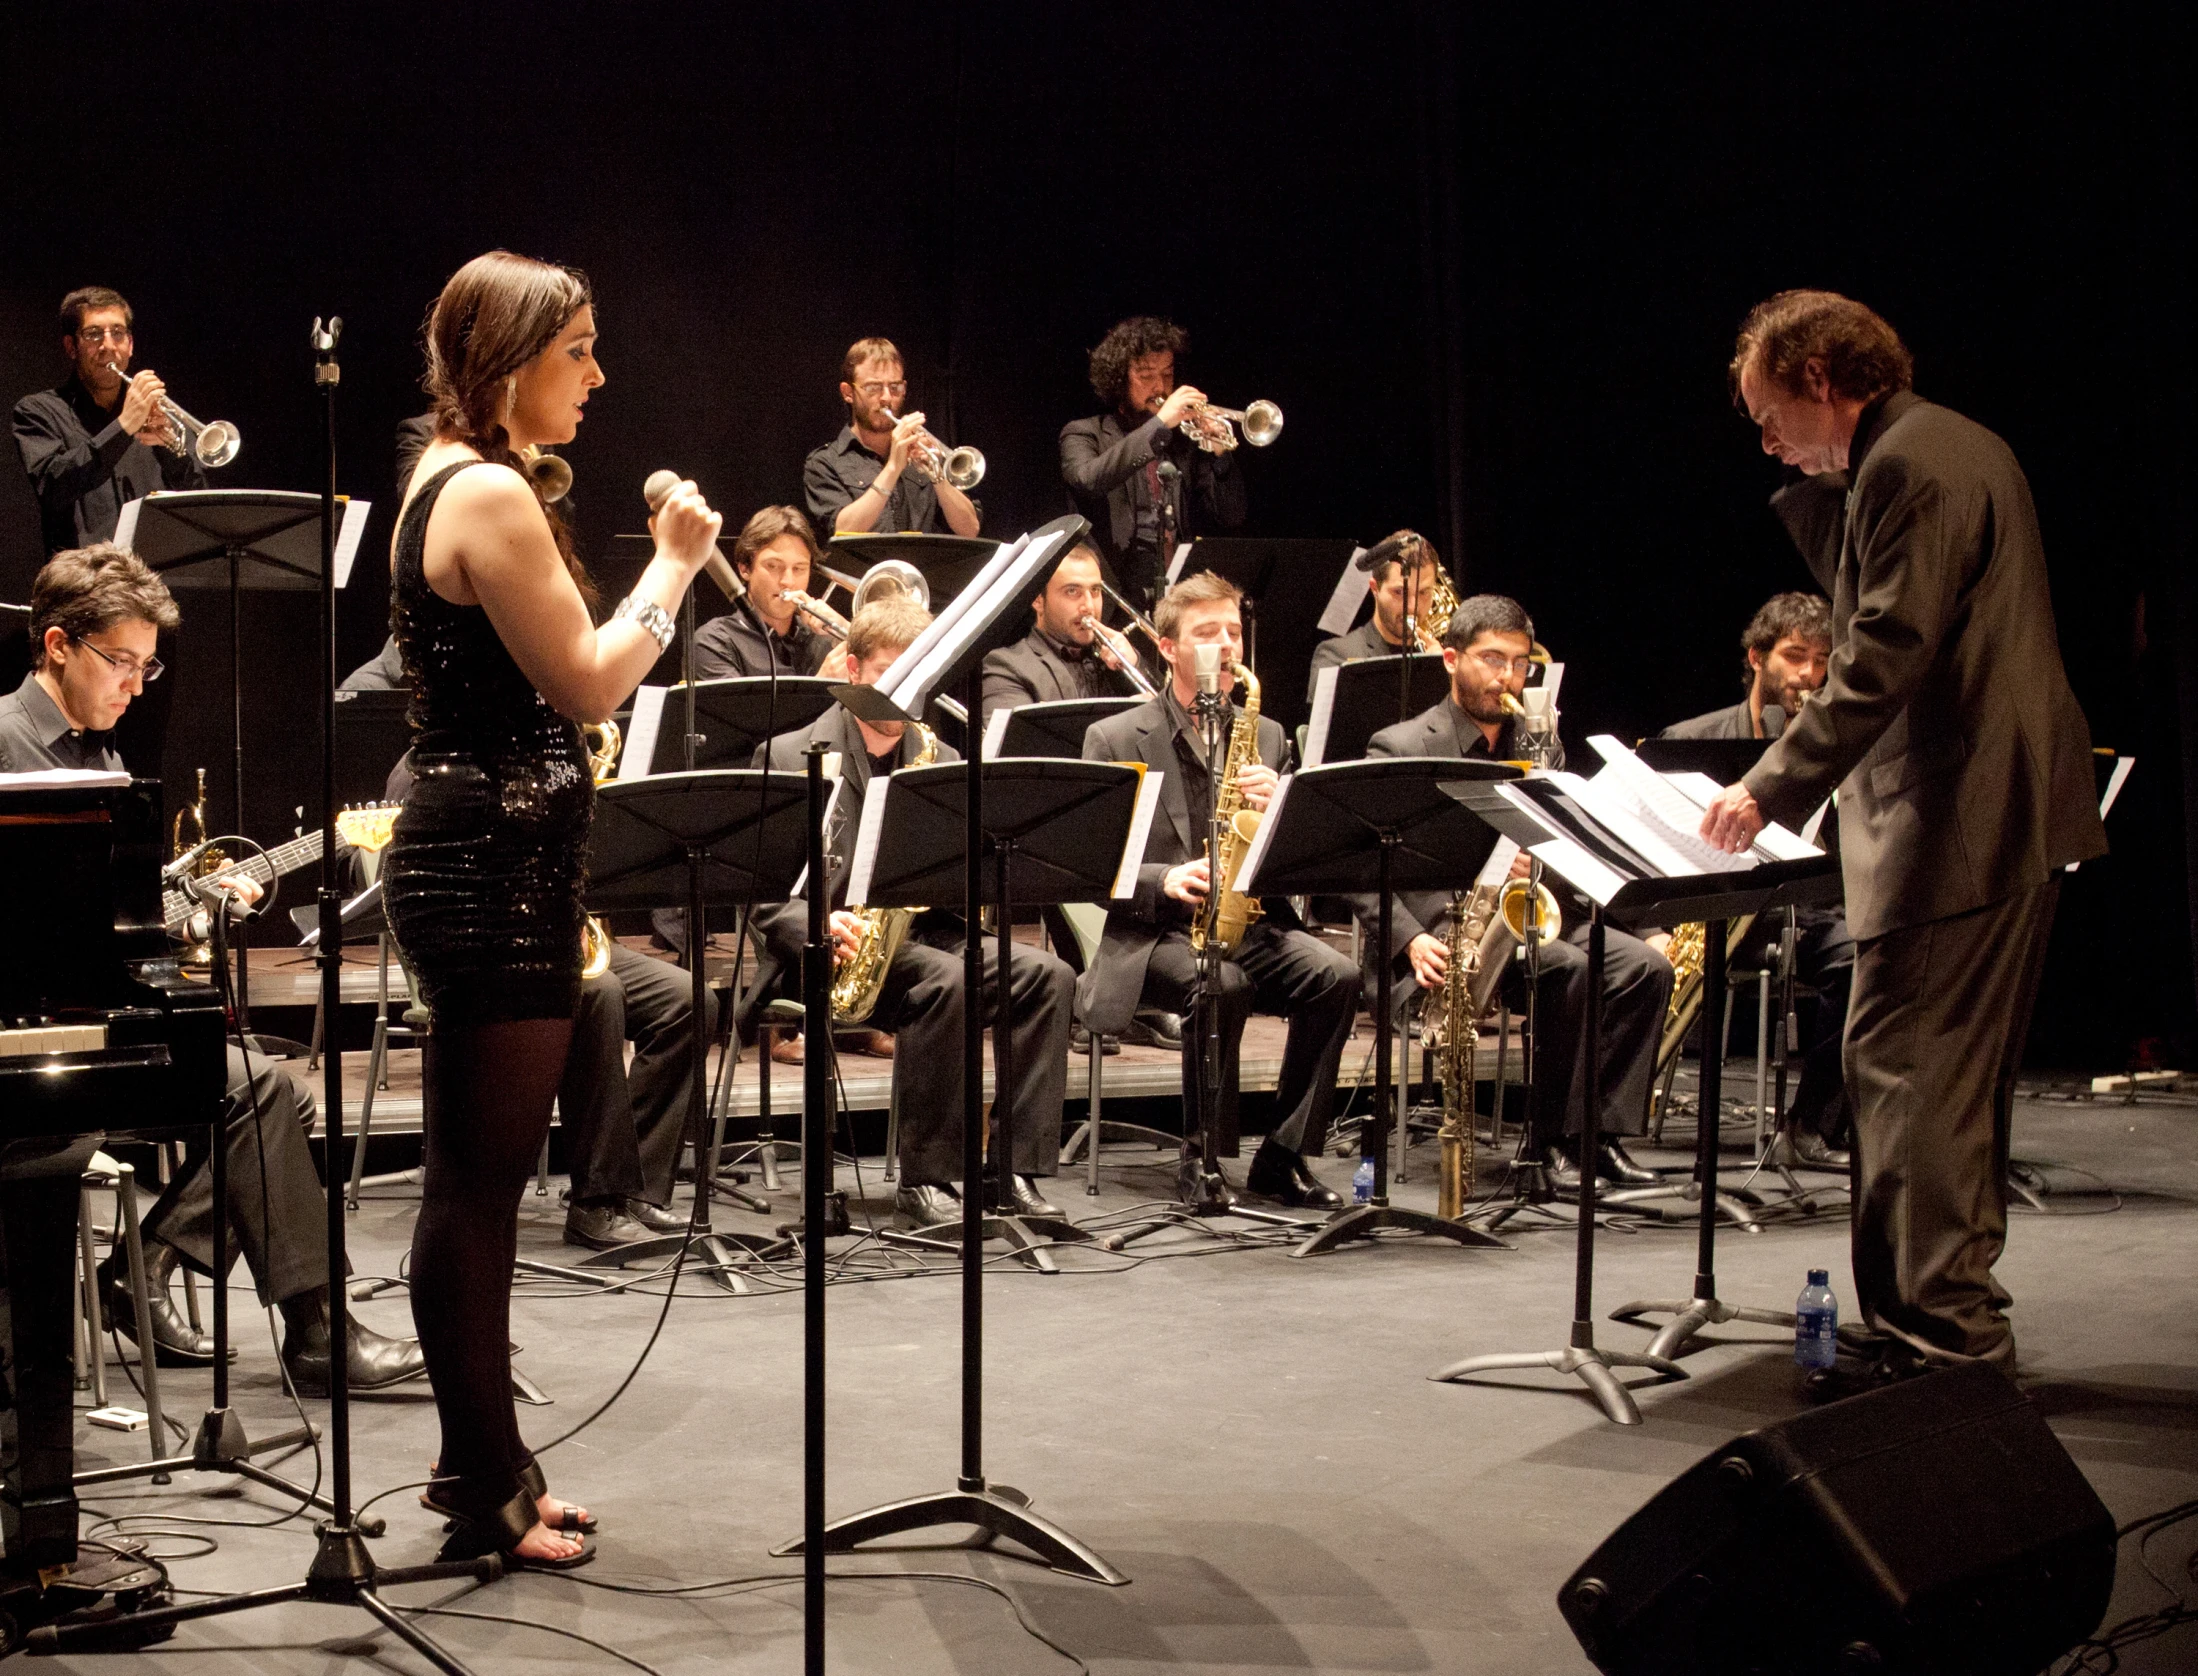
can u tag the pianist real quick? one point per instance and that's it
(95, 613)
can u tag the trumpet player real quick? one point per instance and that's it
(100, 437)
(1487, 651)
(773, 555)
(1069, 652)
(1131, 471)
(1401, 591)
(921, 1002)
(1276, 966)
(871, 476)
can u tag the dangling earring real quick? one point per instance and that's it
(511, 396)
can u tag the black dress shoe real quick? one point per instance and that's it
(602, 1227)
(1846, 1379)
(927, 1204)
(1279, 1174)
(1030, 1202)
(1197, 1189)
(1806, 1149)
(1153, 1028)
(1079, 1041)
(176, 1343)
(1614, 1163)
(1563, 1173)
(372, 1362)
(658, 1219)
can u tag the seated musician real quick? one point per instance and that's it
(1062, 656)
(1788, 645)
(1393, 585)
(1130, 470)
(95, 615)
(1487, 651)
(867, 477)
(1277, 966)
(921, 1002)
(773, 555)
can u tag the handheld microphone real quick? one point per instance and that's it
(656, 491)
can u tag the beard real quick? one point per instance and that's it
(1482, 704)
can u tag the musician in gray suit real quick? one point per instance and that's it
(1964, 771)
(1277, 965)
(1060, 657)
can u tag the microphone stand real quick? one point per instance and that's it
(1205, 1005)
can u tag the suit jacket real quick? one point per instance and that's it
(785, 925)
(1032, 671)
(1365, 641)
(1106, 995)
(1103, 466)
(1947, 723)
(1732, 722)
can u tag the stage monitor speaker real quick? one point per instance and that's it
(1936, 1525)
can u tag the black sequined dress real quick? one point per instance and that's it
(482, 880)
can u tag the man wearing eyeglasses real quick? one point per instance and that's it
(1488, 651)
(99, 439)
(95, 615)
(868, 478)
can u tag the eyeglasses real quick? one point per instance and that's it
(126, 666)
(875, 390)
(1497, 664)
(103, 334)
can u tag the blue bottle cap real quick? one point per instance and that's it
(1820, 1277)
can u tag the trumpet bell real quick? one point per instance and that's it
(216, 444)
(890, 578)
(964, 467)
(1262, 423)
(551, 474)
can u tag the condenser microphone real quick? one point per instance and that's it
(1391, 547)
(1208, 663)
(656, 491)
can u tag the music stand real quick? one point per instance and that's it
(1286, 618)
(733, 716)
(1314, 840)
(720, 837)
(1354, 701)
(947, 561)
(1054, 728)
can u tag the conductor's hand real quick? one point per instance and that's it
(1430, 958)
(685, 528)
(1172, 410)
(1732, 819)
(1257, 782)
(1187, 883)
(142, 415)
(904, 438)
(845, 930)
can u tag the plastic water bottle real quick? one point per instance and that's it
(1362, 1182)
(1816, 1322)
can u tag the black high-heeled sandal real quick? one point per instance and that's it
(571, 1520)
(498, 1530)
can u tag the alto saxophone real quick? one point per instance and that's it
(595, 940)
(860, 979)
(1229, 912)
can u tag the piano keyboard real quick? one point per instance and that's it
(52, 1038)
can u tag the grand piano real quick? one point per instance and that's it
(98, 1030)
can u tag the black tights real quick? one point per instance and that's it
(487, 1091)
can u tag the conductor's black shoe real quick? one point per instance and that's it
(1030, 1202)
(927, 1204)
(1806, 1149)
(658, 1219)
(602, 1227)
(1153, 1028)
(1279, 1174)
(1079, 1041)
(1614, 1163)
(1563, 1173)
(373, 1361)
(176, 1343)
(1197, 1189)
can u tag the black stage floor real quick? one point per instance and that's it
(1253, 1439)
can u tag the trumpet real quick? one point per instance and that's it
(551, 474)
(1124, 652)
(883, 580)
(963, 467)
(1209, 426)
(212, 443)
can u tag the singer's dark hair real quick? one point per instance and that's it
(1202, 589)
(765, 527)
(496, 314)
(1479, 614)
(87, 297)
(1388, 567)
(88, 589)
(1863, 356)
(1806, 615)
(1141, 334)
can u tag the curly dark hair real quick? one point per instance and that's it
(1141, 334)
(1808, 615)
(1863, 356)
(496, 314)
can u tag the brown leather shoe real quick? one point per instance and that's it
(786, 1050)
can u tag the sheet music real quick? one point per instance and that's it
(1497, 867)
(1003, 585)
(2122, 766)
(1577, 867)
(1777, 842)
(1175, 565)
(1553, 680)
(1133, 848)
(1248, 873)
(1324, 708)
(903, 676)
(349, 533)
(366, 899)
(831, 807)
(1344, 598)
(38, 779)
(996, 731)
(1672, 854)
(1527, 807)
(639, 755)
(1667, 810)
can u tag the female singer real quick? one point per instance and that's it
(491, 611)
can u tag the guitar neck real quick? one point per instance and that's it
(176, 906)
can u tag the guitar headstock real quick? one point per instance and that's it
(368, 826)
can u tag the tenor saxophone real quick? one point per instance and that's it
(1229, 912)
(860, 979)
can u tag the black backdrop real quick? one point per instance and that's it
(1489, 271)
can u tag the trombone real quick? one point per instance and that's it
(882, 580)
(1125, 654)
(1209, 426)
(963, 468)
(213, 444)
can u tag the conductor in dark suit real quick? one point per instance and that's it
(1131, 472)
(1061, 657)
(921, 1002)
(1487, 649)
(1276, 966)
(1964, 771)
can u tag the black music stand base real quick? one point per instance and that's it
(1026, 1237)
(716, 1253)
(221, 1445)
(1590, 1364)
(997, 1510)
(1362, 1222)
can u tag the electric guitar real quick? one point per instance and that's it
(367, 827)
